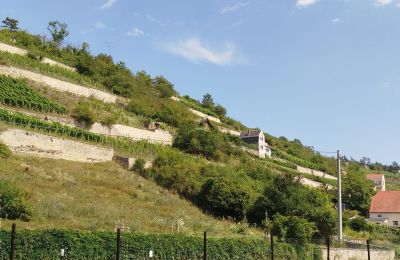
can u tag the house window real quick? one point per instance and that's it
(379, 215)
(395, 223)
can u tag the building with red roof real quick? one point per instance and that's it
(385, 208)
(379, 181)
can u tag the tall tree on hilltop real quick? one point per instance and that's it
(208, 101)
(59, 31)
(10, 24)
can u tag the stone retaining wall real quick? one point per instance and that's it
(357, 254)
(315, 173)
(22, 52)
(229, 131)
(30, 143)
(205, 116)
(57, 84)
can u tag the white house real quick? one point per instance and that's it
(379, 181)
(256, 136)
(385, 208)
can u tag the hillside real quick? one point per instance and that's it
(84, 114)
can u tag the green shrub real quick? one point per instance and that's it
(4, 151)
(84, 114)
(359, 224)
(13, 203)
(36, 55)
(46, 244)
(139, 166)
(224, 199)
(110, 119)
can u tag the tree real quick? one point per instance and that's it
(164, 87)
(224, 198)
(59, 31)
(220, 110)
(10, 24)
(293, 229)
(208, 101)
(357, 190)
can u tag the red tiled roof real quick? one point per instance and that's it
(386, 202)
(374, 176)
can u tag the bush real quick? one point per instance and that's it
(4, 151)
(359, 224)
(110, 120)
(84, 114)
(139, 166)
(13, 204)
(46, 244)
(224, 198)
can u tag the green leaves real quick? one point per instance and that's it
(13, 204)
(17, 93)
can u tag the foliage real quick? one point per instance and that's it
(101, 245)
(357, 190)
(14, 92)
(285, 195)
(110, 120)
(224, 198)
(5, 153)
(48, 70)
(10, 24)
(84, 114)
(208, 101)
(13, 202)
(359, 224)
(164, 87)
(139, 165)
(59, 31)
(211, 144)
(293, 228)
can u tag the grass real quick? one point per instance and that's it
(71, 195)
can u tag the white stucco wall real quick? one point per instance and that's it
(357, 254)
(57, 84)
(315, 173)
(202, 115)
(23, 52)
(29, 143)
(390, 217)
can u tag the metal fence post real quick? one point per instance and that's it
(205, 246)
(328, 245)
(12, 250)
(118, 256)
(272, 247)
(369, 253)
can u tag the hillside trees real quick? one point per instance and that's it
(286, 196)
(59, 31)
(10, 24)
(357, 190)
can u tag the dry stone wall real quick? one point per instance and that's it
(57, 84)
(357, 254)
(229, 131)
(29, 143)
(205, 116)
(22, 52)
(315, 173)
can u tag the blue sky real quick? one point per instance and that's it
(323, 71)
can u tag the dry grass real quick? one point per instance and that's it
(100, 196)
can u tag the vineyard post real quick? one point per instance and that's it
(12, 250)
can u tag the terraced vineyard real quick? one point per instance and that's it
(17, 93)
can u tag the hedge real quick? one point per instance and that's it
(47, 244)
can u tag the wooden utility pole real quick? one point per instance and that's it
(339, 206)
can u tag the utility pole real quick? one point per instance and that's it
(339, 207)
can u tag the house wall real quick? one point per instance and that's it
(58, 85)
(357, 254)
(29, 143)
(389, 216)
(22, 52)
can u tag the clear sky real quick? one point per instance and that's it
(323, 71)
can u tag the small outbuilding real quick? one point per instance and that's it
(256, 136)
